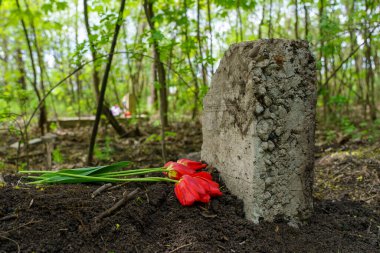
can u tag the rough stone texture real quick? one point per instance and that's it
(258, 127)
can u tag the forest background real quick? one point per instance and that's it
(165, 53)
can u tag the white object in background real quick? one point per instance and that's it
(115, 110)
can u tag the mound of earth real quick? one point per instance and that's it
(60, 218)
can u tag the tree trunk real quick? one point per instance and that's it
(153, 88)
(210, 32)
(369, 77)
(296, 19)
(159, 66)
(194, 75)
(21, 68)
(96, 80)
(148, 8)
(262, 21)
(203, 67)
(43, 123)
(104, 83)
(42, 115)
(270, 26)
(324, 88)
(306, 21)
(77, 75)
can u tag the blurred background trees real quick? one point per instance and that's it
(167, 51)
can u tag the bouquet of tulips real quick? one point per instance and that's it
(191, 184)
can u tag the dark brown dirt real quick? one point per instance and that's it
(61, 218)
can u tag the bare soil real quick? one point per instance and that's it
(60, 218)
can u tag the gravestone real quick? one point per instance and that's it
(258, 127)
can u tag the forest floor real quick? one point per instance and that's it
(60, 218)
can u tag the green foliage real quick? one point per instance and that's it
(362, 130)
(53, 126)
(105, 153)
(338, 100)
(54, 6)
(2, 166)
(57, 156)
(187, 45)
(22, 166)
(157, 138)
(347, 126)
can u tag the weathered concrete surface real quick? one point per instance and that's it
(258, 127)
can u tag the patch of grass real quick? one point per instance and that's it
(57, 156)
(157, 138)
(105, 153)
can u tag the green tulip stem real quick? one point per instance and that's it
(113, 180)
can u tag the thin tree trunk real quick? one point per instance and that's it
(296, 19)
(262, 21)
(153, 88)
(278, 21)
(195, 78)
(96, 80)
(359, 81)
(104, 82)
(77, 77)
(370, 100)
(239, 19)
(321, 56)
(210, 32)
(306, 20)
(270, 26)
(23, 105)
(148, 8)
(5, 59)
(21, 68)
(42, 118)
(44, 126)
(204, 71)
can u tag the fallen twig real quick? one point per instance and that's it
(118, 205)
(221, 247)
(208, 215)
(9, 217)
(100, 190)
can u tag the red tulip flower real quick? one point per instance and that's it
(196, 187)
(177, 170)
(188, 190)
(192, 164)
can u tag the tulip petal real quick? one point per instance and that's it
(211, 187)
(193, 183)
(179, 169)
(203, 174)
(192, 164)
(185, 197)
(190, 189)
